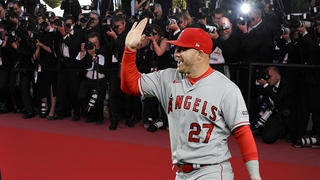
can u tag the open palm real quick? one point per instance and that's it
(135, 36)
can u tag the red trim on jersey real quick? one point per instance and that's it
(129, 73)
(207, 73)
(246, 143)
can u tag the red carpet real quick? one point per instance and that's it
(37, 149)
(29, 155)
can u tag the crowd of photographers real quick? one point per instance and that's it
(65, 66)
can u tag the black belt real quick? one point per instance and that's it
(186, 168)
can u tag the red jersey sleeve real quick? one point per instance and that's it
(246, 143)
(129, 73)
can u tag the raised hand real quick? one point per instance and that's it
(134, 36)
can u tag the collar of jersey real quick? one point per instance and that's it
(207, 73)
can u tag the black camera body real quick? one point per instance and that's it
(85, 18)
(284, 30)
(90, 45)
(107, 24)
(262, 74)
(58, 22)
(241, 20)
(148, 30)
(211, 28)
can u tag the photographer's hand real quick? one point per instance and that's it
(5, 40)
(14, 45)
(134, 36)
(243, 28)
(262, 82)
(112, 34)
(214, 35)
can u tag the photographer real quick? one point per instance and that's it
(21, 41)
(47, 74)
(159, 17)
(69, 70)
(88, 23)
(310, 97)
(93, 87)
(274, 108)
(82, 22)
(4, 72)
(226, 47)
(257, 41)
(160, 58)
(71, 8)
(94, 23)
(118, 101)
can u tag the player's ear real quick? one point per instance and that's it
(201, 53)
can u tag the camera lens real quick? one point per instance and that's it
(90, 46)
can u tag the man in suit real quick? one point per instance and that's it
(275, 107)
(68, 81)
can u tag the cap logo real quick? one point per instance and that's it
(197, 45)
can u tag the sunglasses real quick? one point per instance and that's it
(154, 33)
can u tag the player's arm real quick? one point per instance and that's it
(129, 72)
(248, 150)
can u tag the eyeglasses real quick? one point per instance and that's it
(154, 33)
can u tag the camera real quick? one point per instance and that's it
(90, 45)
(50, 14)
(262, 74)
(263, 118)
(266, 109)
(12, 36)
(148, 30)
(224, 26)
(173, 19)
(93, 99)
(241, 20)
(43, 26)
(85, 18)
(284, 30)
(211, 29)
(58, 22)
(307, 141)
(170, 21)
(107, 24)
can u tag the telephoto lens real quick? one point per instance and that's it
(311, 141)
(92, 100)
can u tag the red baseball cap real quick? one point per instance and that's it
(195, 38)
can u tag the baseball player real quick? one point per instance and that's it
(202, 105)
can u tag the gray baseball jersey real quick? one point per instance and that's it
(201, 116)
